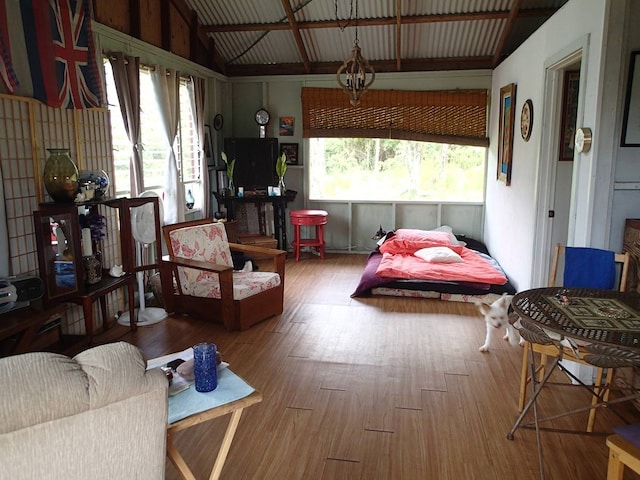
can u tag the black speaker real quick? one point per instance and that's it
(255, 166)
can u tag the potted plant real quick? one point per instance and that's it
(230, 165)
(281, 169)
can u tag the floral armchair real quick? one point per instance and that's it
(198, 277)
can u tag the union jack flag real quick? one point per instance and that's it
(62, 58)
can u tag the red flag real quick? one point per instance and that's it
(7, 73)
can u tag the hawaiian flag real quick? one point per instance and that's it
(61, 68)
(7, 73)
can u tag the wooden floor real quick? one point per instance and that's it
(374, 389)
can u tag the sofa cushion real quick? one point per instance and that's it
(94, 378)
(100, 415)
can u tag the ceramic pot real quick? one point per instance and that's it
(60, 175)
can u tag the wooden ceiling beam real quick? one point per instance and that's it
(296, 34)
(165, 24)
(135, 23)
(372, 22)
(513, 14)
(425, 65)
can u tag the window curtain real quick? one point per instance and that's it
(198, 95)
(166, 85)
(126, 75)
(446, 116)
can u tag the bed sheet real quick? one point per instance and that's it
(370, 280)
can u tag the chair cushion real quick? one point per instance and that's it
(202, 242)
(245, 284)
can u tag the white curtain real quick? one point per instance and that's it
(166, 84)
(198, 95)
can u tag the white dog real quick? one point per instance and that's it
(496, 316)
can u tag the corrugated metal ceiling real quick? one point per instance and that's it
(256, 37)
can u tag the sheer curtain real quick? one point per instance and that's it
(198, 95)
(126, 76)
(166, 84)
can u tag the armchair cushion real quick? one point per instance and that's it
(208, 242)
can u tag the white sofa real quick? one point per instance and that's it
(98, 415)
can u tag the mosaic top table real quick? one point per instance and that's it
(604, 323)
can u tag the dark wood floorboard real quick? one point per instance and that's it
(374, 388)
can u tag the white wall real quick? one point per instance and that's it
(511, 212)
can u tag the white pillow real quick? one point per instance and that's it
(452, 237)
(438, 255)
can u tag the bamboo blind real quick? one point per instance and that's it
(447, 116)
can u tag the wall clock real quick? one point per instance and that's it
(217, 122)
(262, 118)
(526, 120)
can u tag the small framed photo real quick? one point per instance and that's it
(291, 152)
(286, 126)
(570, 92)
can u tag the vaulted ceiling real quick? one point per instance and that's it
(283, 37)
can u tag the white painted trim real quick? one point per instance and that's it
(546, 178)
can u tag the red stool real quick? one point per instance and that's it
(308, 217)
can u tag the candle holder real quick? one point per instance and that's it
(92, 268)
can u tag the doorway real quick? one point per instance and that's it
(556, 187)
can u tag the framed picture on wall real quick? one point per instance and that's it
(505, 132)
(570, 92)
(286, 126)
(208, 146)
(291, 152)
(631, 119)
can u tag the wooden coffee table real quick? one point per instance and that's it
(190, 408)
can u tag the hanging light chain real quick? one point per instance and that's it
(342, 27)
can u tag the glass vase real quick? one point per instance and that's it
(94, 184)
(281, 185)
(60, 175)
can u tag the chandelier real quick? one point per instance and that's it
(355, 75)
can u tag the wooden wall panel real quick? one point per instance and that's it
(179, 34)
(115, 14)
(150, 19)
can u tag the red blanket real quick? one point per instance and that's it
(473, 269)
(399, 261)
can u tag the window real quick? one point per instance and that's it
(154, 150)
(395, 170)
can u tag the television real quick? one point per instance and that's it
(255, 166)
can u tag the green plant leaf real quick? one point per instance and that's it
(281, 165)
